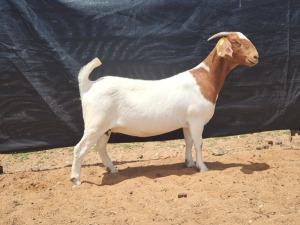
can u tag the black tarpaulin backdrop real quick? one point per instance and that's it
(44, 43)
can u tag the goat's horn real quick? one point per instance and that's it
(221, 34)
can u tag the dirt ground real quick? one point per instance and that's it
(253, 179)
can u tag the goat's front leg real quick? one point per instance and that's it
(196, 133)
(188, 148)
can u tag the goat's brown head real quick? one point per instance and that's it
(236, 47)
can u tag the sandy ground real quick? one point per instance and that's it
(253, 179)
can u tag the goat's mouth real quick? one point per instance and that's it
(251, 62)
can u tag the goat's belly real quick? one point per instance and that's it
(147, 129)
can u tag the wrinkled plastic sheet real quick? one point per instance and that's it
(43, 44)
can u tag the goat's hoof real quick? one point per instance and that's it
(190, 164)
(112, 170)
(203, 170)
(76, 182)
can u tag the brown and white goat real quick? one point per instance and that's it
(147, 108)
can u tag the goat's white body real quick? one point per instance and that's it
(140, 108)
(145, 108)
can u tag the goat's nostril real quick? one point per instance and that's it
(255, 57)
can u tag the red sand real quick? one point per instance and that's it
(245, 185)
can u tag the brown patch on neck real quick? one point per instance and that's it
(206, 87)
(211, 82)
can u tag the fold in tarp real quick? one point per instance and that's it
(43, 44)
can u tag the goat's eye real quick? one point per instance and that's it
(236, 44)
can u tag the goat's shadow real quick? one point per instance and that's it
(177, 169)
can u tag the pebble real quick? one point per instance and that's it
(278, 142)
(218, 152)
(182, 195)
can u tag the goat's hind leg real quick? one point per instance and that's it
(88, 140)
(101, 148)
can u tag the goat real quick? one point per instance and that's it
(147, 108)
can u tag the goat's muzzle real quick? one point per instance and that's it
(252, 60)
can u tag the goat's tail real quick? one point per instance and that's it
(83, 76)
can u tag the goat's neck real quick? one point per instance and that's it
(211, 81)
(219, 69)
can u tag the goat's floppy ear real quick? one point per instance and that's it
(224, 47)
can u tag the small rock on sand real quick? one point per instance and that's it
(182, 195)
